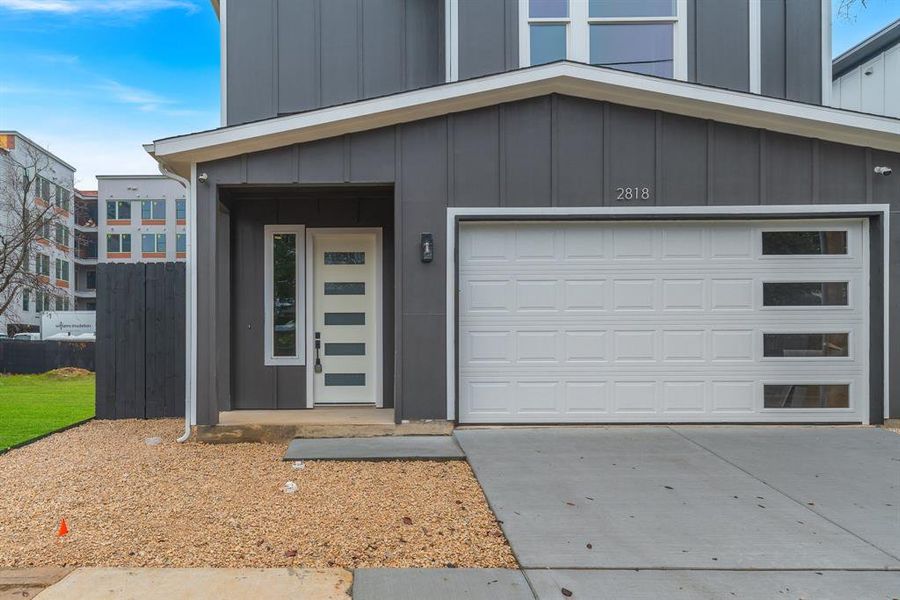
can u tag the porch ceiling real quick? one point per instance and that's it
(573, 79)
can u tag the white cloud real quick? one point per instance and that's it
(97, 6)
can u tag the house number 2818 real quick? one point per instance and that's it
(632, 193)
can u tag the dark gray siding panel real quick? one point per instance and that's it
(772, 42)
(340, 67)
(484, 37)
(791, 42)
(424, 45)
(252, 83)
(423, 160)
(286, 56)
(722, 38)
(271, 165)
(734, 160)
(323, 161)
(372, 156)
(684, 160)
(578, 152)
(254, 384)
(802, 51)
(298, 55)
(789, 169)
(526, 153)
(382, 49)
(476, 158)
(885, 190)
(840, 182)
(424, 367)
(630, 152)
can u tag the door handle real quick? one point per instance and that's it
(318, 365)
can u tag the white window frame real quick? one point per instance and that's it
(578, 26)
(299, 358)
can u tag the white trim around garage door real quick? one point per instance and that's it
(647, 213)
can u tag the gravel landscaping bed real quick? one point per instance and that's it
(127, 503)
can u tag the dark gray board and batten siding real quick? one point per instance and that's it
(286, 56)
(548, 151)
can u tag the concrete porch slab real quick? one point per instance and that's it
(713, 585)
(418, 447)
(440, 584)
(201, 584)
(277, 426)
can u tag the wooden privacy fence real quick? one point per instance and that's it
(140, 340)
(19, 356)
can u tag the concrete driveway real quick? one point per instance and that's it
(697, 512)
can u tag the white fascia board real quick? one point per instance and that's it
(583, 81)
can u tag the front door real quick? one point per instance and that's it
(345, 308)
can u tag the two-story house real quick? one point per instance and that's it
(540, 211)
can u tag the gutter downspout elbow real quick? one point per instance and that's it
(187, 380)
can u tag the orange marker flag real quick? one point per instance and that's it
(63, 529)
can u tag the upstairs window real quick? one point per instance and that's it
(118, 210)
(154, 210)
(641, 36)
(180, 210)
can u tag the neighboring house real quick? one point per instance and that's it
(53, 254)
(867, 76)
(86, 218)
(142, 218)
(404, 207)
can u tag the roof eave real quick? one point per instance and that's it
(563, 78)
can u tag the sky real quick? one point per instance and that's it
(93, 80)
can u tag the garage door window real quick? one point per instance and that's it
(805, 345)
(807, 293)
(807, 396)
(804, 243)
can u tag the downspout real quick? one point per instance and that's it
(187, 372)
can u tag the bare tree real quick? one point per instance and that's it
(847, 9)
(27, 216)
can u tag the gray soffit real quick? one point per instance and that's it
(566, 78)
(866, 49)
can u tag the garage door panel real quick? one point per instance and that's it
(593, 322)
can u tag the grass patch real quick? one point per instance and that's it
(32, 406)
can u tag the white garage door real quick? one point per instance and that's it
(663, 321)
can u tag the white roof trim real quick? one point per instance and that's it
(566, 78)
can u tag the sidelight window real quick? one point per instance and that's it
(285, 313)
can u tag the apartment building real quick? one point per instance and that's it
(51, 257)
(540, 211)
(141, 218)
(867, 76)
(86, 229)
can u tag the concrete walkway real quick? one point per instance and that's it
(696, 512)
(417, 447)
(201, 584)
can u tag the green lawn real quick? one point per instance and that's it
(35, 405)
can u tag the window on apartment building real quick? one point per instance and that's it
(26, 301)
(180, 210)
(180, 242)
(118, 210)
(61, 234)
(153, 242)
(42, 265)
(153, 209)
(44, 229)
(62, 198)
(41, 301)
(91, 280)
(42, 189)
(118, 242)
(62, 269)
(59, 303)
(630, 35)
